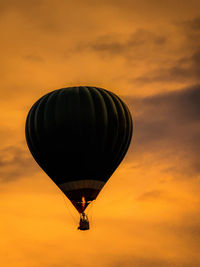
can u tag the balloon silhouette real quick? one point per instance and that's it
(79, 136)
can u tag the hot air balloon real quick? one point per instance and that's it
(79, 136)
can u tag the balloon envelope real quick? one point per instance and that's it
(79, 136)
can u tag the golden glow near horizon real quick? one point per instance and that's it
(147, 52)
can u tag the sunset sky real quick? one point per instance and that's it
(147, 52)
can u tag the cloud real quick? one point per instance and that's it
(176, 73)
(191, 27)
(157, 116)
(151, 195)
(168, 124)
(184, 66)
(114, 46)
(15, 163)
(33, 57)
(184, 69)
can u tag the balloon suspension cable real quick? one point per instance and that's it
(90, 211)
(69, 211)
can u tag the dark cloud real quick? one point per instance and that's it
(176, 73)
(34, 57)
(151, 195)
(15, 163)
(159, 116)
(191, 28)
(194, 24)
(168, 124)
(110, 44)
(185, 68)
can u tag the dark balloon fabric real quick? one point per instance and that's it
(79, 134)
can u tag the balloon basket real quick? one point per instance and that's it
(84, 222)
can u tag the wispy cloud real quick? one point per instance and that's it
(168, 124)
(184, 67)
(15, 163)
(113, 45)
(151, 195)
(33, 57)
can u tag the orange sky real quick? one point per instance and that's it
(148, 52)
